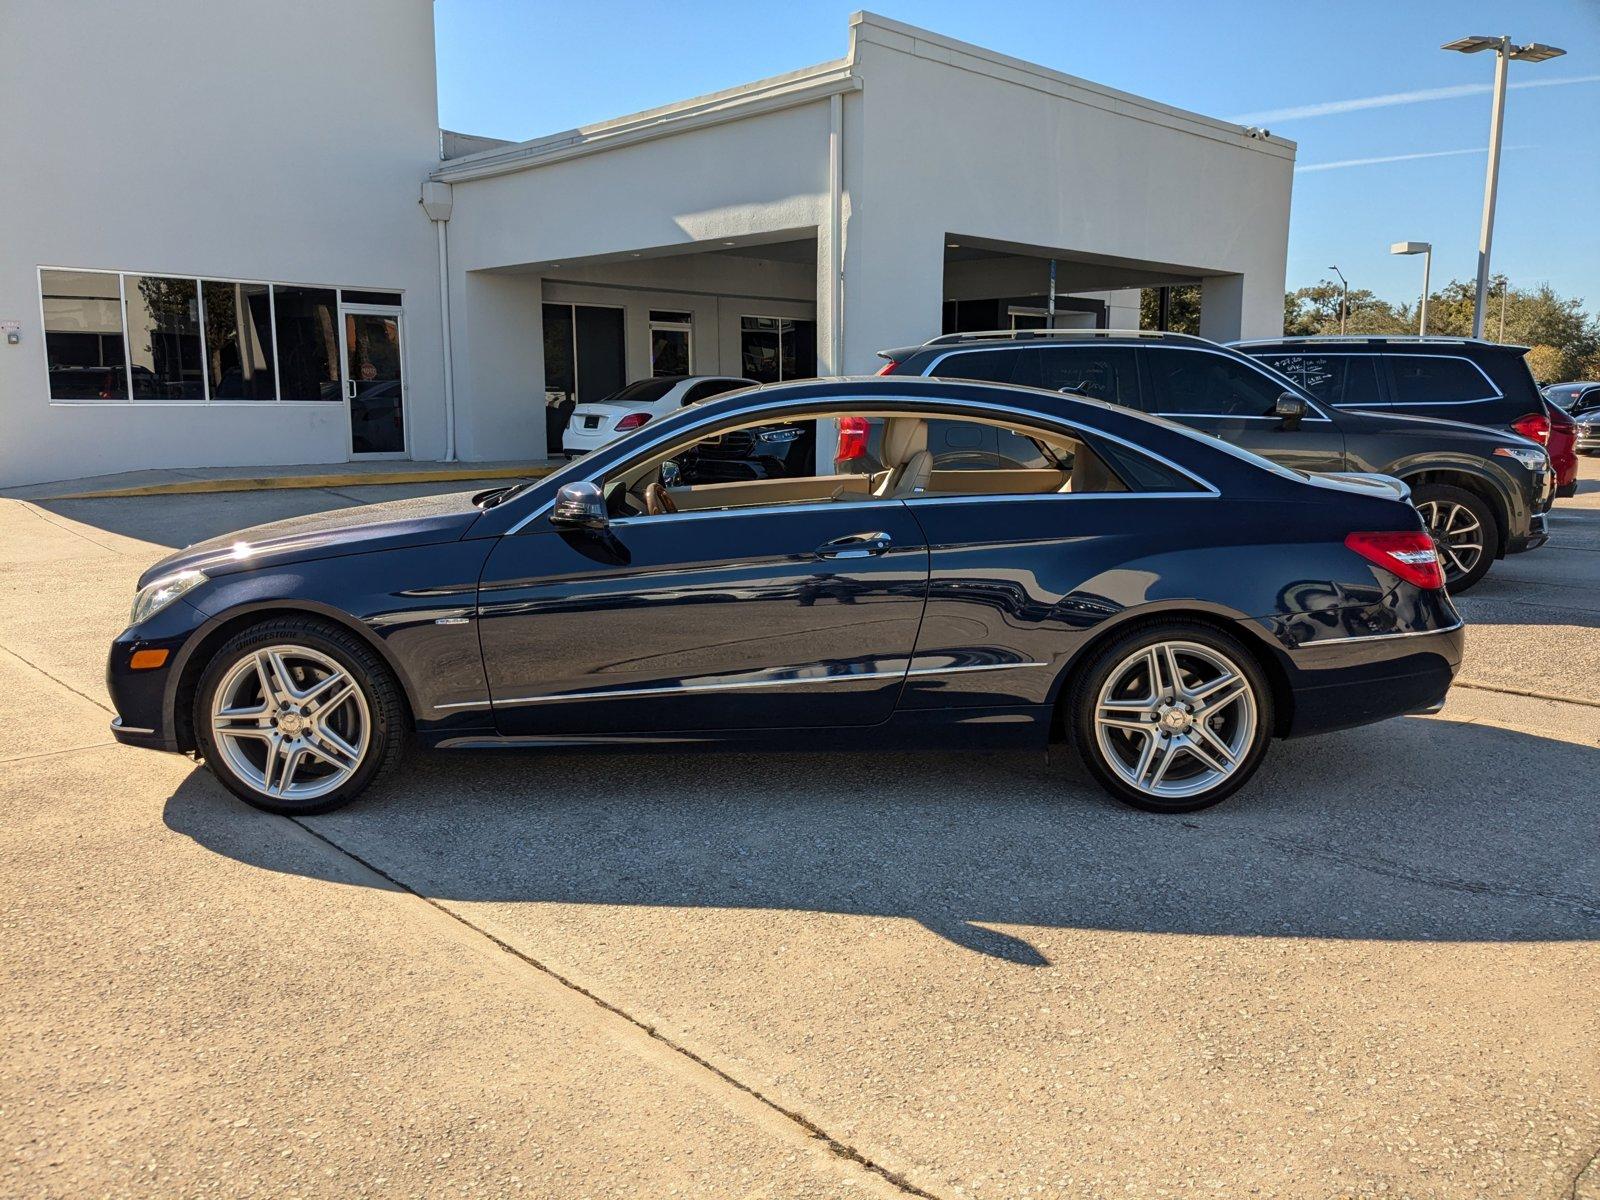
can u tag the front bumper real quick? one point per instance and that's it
(1538, 533)
(145, 699)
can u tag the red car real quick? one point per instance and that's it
(1562, 445)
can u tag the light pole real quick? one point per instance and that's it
(1426, 250)
(1504, 52)
(1344, 294)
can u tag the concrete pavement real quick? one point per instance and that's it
(1371, 973)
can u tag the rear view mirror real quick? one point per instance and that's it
(579, 506)
(1291, 409)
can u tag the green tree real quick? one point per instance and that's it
(1183, 311)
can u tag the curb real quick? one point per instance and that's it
(273, 482)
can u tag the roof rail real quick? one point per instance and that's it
(1440, 338)
(1023, 335)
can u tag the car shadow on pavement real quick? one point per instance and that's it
(1414, 829)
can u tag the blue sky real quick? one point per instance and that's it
(1351, 81)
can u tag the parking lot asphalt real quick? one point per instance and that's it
(1372, 972)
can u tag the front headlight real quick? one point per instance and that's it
(159, 593)
(1534, 460)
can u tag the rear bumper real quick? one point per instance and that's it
(1354, 681)
(582, 441)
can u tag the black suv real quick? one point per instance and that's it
(1483, 493)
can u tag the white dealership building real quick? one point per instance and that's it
(237, 236)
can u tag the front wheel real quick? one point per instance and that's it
(1172, 717)
(1462, 528)
(297, 716)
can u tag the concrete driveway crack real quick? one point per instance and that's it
(1587, 905)
(55, 679)
(839, 1149)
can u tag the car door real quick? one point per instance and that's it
(785, 615)
(1233, 399)
(1026, 562)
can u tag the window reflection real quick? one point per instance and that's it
(308, 343)
(238, 323)
(164, 337)
(83, 335)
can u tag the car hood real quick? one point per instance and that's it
(419, 521)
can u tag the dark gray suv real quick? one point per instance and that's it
(1484, 493)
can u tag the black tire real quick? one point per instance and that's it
(1445, 500)
(1112, 658)
(385, 716)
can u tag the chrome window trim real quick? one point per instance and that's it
(1027, 416)
(1379, 637)
(905, 672)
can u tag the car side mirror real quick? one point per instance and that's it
(671, 474)
(580, 506)
(1289, 408)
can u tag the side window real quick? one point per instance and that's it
(990, 366)
(914, 456)
(1107, 373)
(1198, 383)
(1323, 375)
(1434, 379)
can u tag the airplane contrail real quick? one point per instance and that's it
(1329, 108)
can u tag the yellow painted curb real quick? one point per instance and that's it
(270, 482)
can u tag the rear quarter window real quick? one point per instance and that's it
(1425, 379)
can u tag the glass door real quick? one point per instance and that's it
(374, 381)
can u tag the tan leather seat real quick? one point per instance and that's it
(905, 453)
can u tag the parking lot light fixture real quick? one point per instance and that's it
(1504, 52)
(1344, 295)
(1426, 250)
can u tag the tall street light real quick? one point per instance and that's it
(1504, 51)
(1344, 294)
(1426, 250)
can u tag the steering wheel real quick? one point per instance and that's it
(657, 500)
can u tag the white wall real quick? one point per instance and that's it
(1027, 156)
(222, 138)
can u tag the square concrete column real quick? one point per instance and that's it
(1241, 306)
(893, 288)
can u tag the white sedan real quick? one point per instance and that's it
(594, 424)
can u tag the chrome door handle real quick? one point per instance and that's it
(856, 545)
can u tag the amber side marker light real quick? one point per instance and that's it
(148, 660)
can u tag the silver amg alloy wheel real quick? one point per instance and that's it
(290, 722)
(1175, 719)
(1457, 533)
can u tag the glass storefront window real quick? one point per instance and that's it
(163, 337)
(308, 343)
(85, 353)
(238, 328)
(772, 349)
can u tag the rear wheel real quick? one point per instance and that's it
(1172, 717)
(1464, 529)
(298, 716)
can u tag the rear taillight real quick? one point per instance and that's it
(1411, 556)
(888, 367)
(1535, 427)
(852, 438)
(632, 421)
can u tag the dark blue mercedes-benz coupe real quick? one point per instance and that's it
(1166, 602)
